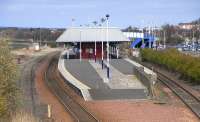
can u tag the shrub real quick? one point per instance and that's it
(188, 66)
(8, 77)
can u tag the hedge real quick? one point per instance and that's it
(188, 66)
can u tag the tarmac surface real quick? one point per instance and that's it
(123, 66)
(85, 73)
(118, 94)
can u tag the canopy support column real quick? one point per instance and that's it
(95, 51)
(117, 50)
(80, 52)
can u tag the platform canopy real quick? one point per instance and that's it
(92, 34)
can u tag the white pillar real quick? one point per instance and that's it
(102, 54)
(68, 54)
(117, 53)
(80, 46)
(95, 50)
(80, 51)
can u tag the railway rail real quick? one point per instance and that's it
(186, 94)
(77, 111)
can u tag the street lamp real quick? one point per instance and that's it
(108, 65)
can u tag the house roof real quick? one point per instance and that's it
(91, 34)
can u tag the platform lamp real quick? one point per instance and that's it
(108, 65)
(102, 41)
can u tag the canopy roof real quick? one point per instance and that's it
(91, 34)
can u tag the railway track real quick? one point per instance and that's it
(26, 83)
(184, 93)
(77, 111)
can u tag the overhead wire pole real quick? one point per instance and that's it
(164, 40)
(142, 38)
(153, 36)
(108, 65)
(149, 36)
(142, 33)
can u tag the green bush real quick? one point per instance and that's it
(8, 76)
(188, 66)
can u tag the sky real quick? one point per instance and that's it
(59, 13)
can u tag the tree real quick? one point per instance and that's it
(103, 20)
(95, 23)
(172, 34)
(8, 76)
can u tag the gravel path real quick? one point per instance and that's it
(142, 111)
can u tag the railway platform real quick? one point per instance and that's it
(89, 77)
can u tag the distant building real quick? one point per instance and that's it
(186, 26)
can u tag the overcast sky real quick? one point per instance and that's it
(58, 13)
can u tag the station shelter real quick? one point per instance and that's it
(91, 42)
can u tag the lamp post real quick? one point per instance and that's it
(102, 53)
(108, 65)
